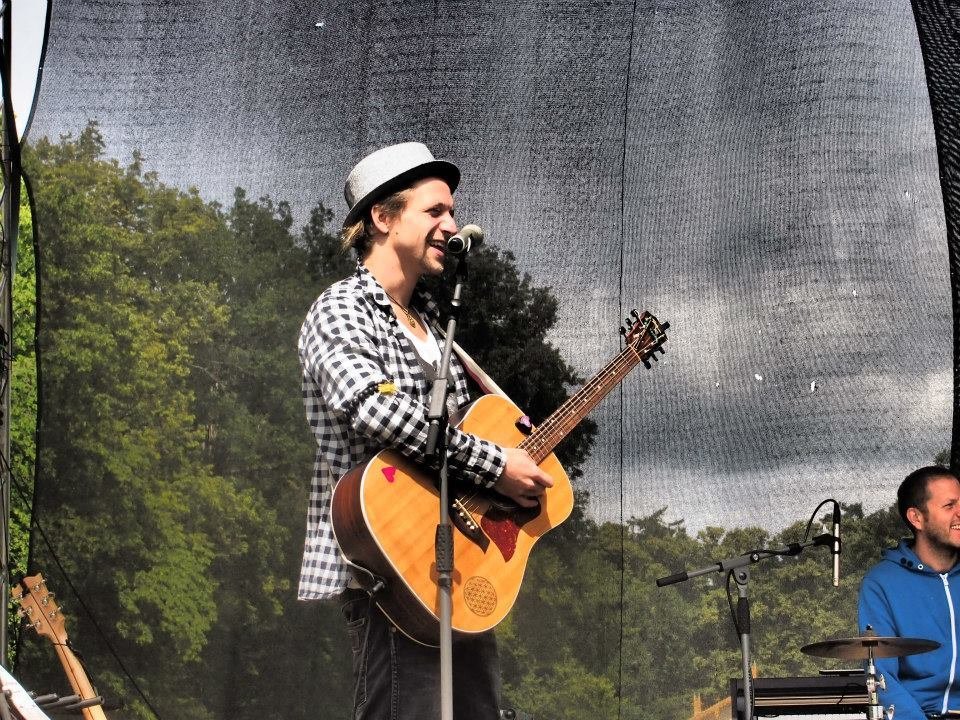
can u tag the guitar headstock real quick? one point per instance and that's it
(39, 608)
(645, 335)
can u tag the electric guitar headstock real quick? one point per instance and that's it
(645, 335)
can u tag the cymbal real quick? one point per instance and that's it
(858, 648)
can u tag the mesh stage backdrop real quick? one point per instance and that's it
(764, 175)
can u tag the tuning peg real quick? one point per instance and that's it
(646, 364)
(635, 314)
(623, 331)
(653, 356)
(665, 325)
(47, 598)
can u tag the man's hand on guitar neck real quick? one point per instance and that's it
(522, 479)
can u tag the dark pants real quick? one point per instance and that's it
(398, 679)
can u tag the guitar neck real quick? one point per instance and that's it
(79, 681)
(555, 428)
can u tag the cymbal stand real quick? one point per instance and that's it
(875, 709)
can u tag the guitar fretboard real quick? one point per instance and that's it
(555, 428)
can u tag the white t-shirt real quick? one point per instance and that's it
(428, 349)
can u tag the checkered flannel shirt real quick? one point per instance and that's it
(351, 352)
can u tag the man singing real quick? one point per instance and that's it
(915, 592)
(366, 349)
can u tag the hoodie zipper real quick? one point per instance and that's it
(953, 638)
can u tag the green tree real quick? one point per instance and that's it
(23, 405)
(145, 525)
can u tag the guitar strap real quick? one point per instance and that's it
(484, 381)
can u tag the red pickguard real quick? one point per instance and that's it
(503, 528)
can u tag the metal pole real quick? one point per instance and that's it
(11, 207)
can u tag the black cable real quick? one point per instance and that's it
(38, 370)
(806, 534)
(623, 182)
(733, 612)
(56, 561)
(35, 523)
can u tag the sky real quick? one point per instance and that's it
(761, 174)
(27, 31)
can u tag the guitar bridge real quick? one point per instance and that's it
(463, 520)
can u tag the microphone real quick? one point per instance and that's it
(468, 237)
(835, 547)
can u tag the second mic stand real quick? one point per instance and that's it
(739, 566)
(437, 448)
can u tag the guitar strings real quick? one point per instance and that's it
(556, 427)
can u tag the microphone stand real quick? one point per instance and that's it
(739, 566)
(437, 447)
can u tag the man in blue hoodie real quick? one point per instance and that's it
(915, 592)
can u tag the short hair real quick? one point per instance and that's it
(913, 492)
(358, 234)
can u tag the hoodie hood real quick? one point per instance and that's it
(904, 556)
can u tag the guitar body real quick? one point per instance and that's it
(385, 514)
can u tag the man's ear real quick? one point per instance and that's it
(380, 220)
(915, 517)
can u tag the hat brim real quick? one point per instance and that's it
(446, 171)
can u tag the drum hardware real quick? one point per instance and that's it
(869, 647)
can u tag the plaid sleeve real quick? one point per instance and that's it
(341, 350)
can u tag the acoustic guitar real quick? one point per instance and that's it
(384, 512)
(42, 613)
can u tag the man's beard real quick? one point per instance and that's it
(942, 544)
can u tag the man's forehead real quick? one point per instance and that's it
(943, 488)
(432, 188)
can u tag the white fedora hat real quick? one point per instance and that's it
(390, 169)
